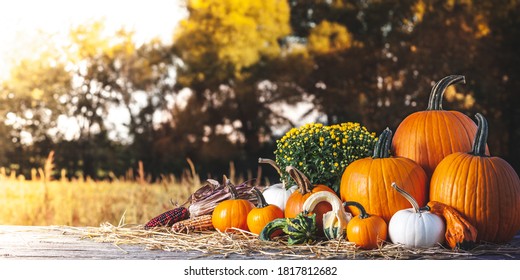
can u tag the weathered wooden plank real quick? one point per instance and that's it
(23, 242)
(55, 242)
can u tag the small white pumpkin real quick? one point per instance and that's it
(415, 227)
(277, 194)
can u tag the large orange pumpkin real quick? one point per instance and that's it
(368, 181)
(485, 189)
(428, 136)
(294, 205)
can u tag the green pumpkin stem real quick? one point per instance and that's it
(382, 147)
(435, 101)
(261, 199)
(363, 213)
(301, 180)
(408, 197)
(480, 142)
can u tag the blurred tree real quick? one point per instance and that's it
(84, 82)
(224, 48)
(29, 108)
(400, 48)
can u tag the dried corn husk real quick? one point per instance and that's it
(205, 199)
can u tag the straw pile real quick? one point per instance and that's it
(242, 244)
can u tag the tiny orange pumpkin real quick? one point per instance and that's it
(263, 214)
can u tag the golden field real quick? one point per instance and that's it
(132, 199)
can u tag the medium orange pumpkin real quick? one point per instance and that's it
(368, 180)
(428, 136)
(294, 205)
(484, 189)
(365, 230)
(263, 213)
(231, 213)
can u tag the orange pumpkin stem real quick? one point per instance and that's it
(459, 232)
(435, 101)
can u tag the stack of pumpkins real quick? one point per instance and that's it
(440, 164)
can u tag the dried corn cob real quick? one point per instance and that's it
(200, 223)
(168, 218)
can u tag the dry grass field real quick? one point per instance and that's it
(40, 200)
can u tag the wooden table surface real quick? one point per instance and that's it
(60, 243)
(54, 242)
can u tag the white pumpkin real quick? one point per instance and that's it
(277, 194)
(415, 227)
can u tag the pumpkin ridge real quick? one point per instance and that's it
(502, 211)
(453, 175)
(401, 181)
(448, 118)
(426, 131)
(471, 200)
(442, 140)
(368, 185)
(494, 180)
(422, 118)
(234, 213)
(379, 202)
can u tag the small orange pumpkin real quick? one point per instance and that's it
(366, 231)
(367, 181)
(263, 213)
(483, 188)
(294, 205)
(231, 213)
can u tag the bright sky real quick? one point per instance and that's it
(20, 20)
